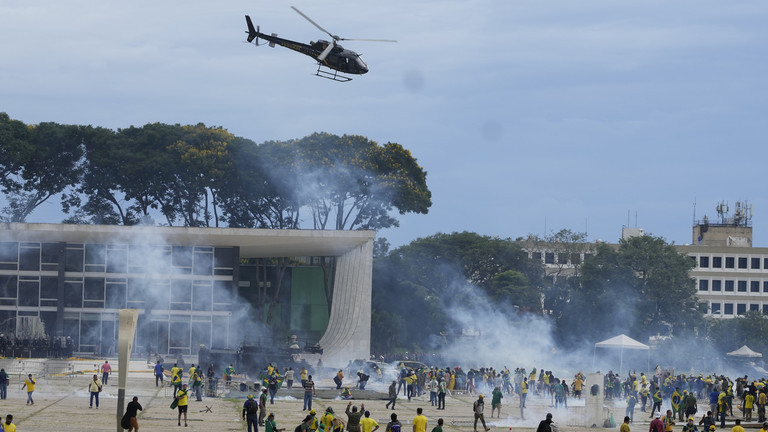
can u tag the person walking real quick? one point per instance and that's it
(496, 401)
(29, 383)
(129, 420)
(106, 368)
(262, 406)
(309, 392)
(158, 373)
(656, 424)
(289, 375)
(338, 379)
(183, 401)
(478, 408)
(251, 414)
(94, 387)
(392, 394)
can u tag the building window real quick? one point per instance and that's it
(575, 259)
(756, 263)
(741, 309)
(703, 284)
(704, 261)
(729, 285)
(715, 308)
(549, 258)
(562, 258)
(728, 309)
(765, 263)
(754, 307)
(717, 262)
(742, 286)
(765, 286)
(729, 262)
(717, 285)
(754, 286)
(742, 262)
(765, 309)
(537, 256)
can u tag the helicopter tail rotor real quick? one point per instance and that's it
(252, 32)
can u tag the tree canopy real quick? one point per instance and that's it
(201, 176)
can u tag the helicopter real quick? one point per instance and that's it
(333, 60)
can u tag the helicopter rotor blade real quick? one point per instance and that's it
(369, 40)
(314, 23)
(325, 52)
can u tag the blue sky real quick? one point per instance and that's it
(527, 115)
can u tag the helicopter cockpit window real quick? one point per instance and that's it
(361, 64)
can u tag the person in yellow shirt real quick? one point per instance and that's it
(738, 427)
(367, 424)
(749, 403)
(625, 426)
(420, 421)
(327, 419)
(578, 384)
(8, 426)
(29, 383)
(669, 421)
(183, 400)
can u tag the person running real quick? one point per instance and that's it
(29, 383)
(338, 379)
(183, 401)
(131, 411)
(94, 387)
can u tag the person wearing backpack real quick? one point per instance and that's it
(478, 408)
(394, 425)
(251, 414)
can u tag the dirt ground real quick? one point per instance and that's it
(62, 399)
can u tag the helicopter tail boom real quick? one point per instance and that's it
(252, 33)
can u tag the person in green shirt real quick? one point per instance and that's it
(270, 425)
(439, 427)
(496, 401)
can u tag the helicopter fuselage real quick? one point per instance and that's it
(339, 58)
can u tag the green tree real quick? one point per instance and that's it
(642, 288)
(432, 275)
(42, 163)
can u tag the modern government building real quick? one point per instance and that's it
(192, 286)
(195, 287)
(731, 275)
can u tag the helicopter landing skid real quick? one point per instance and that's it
(331, 74)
